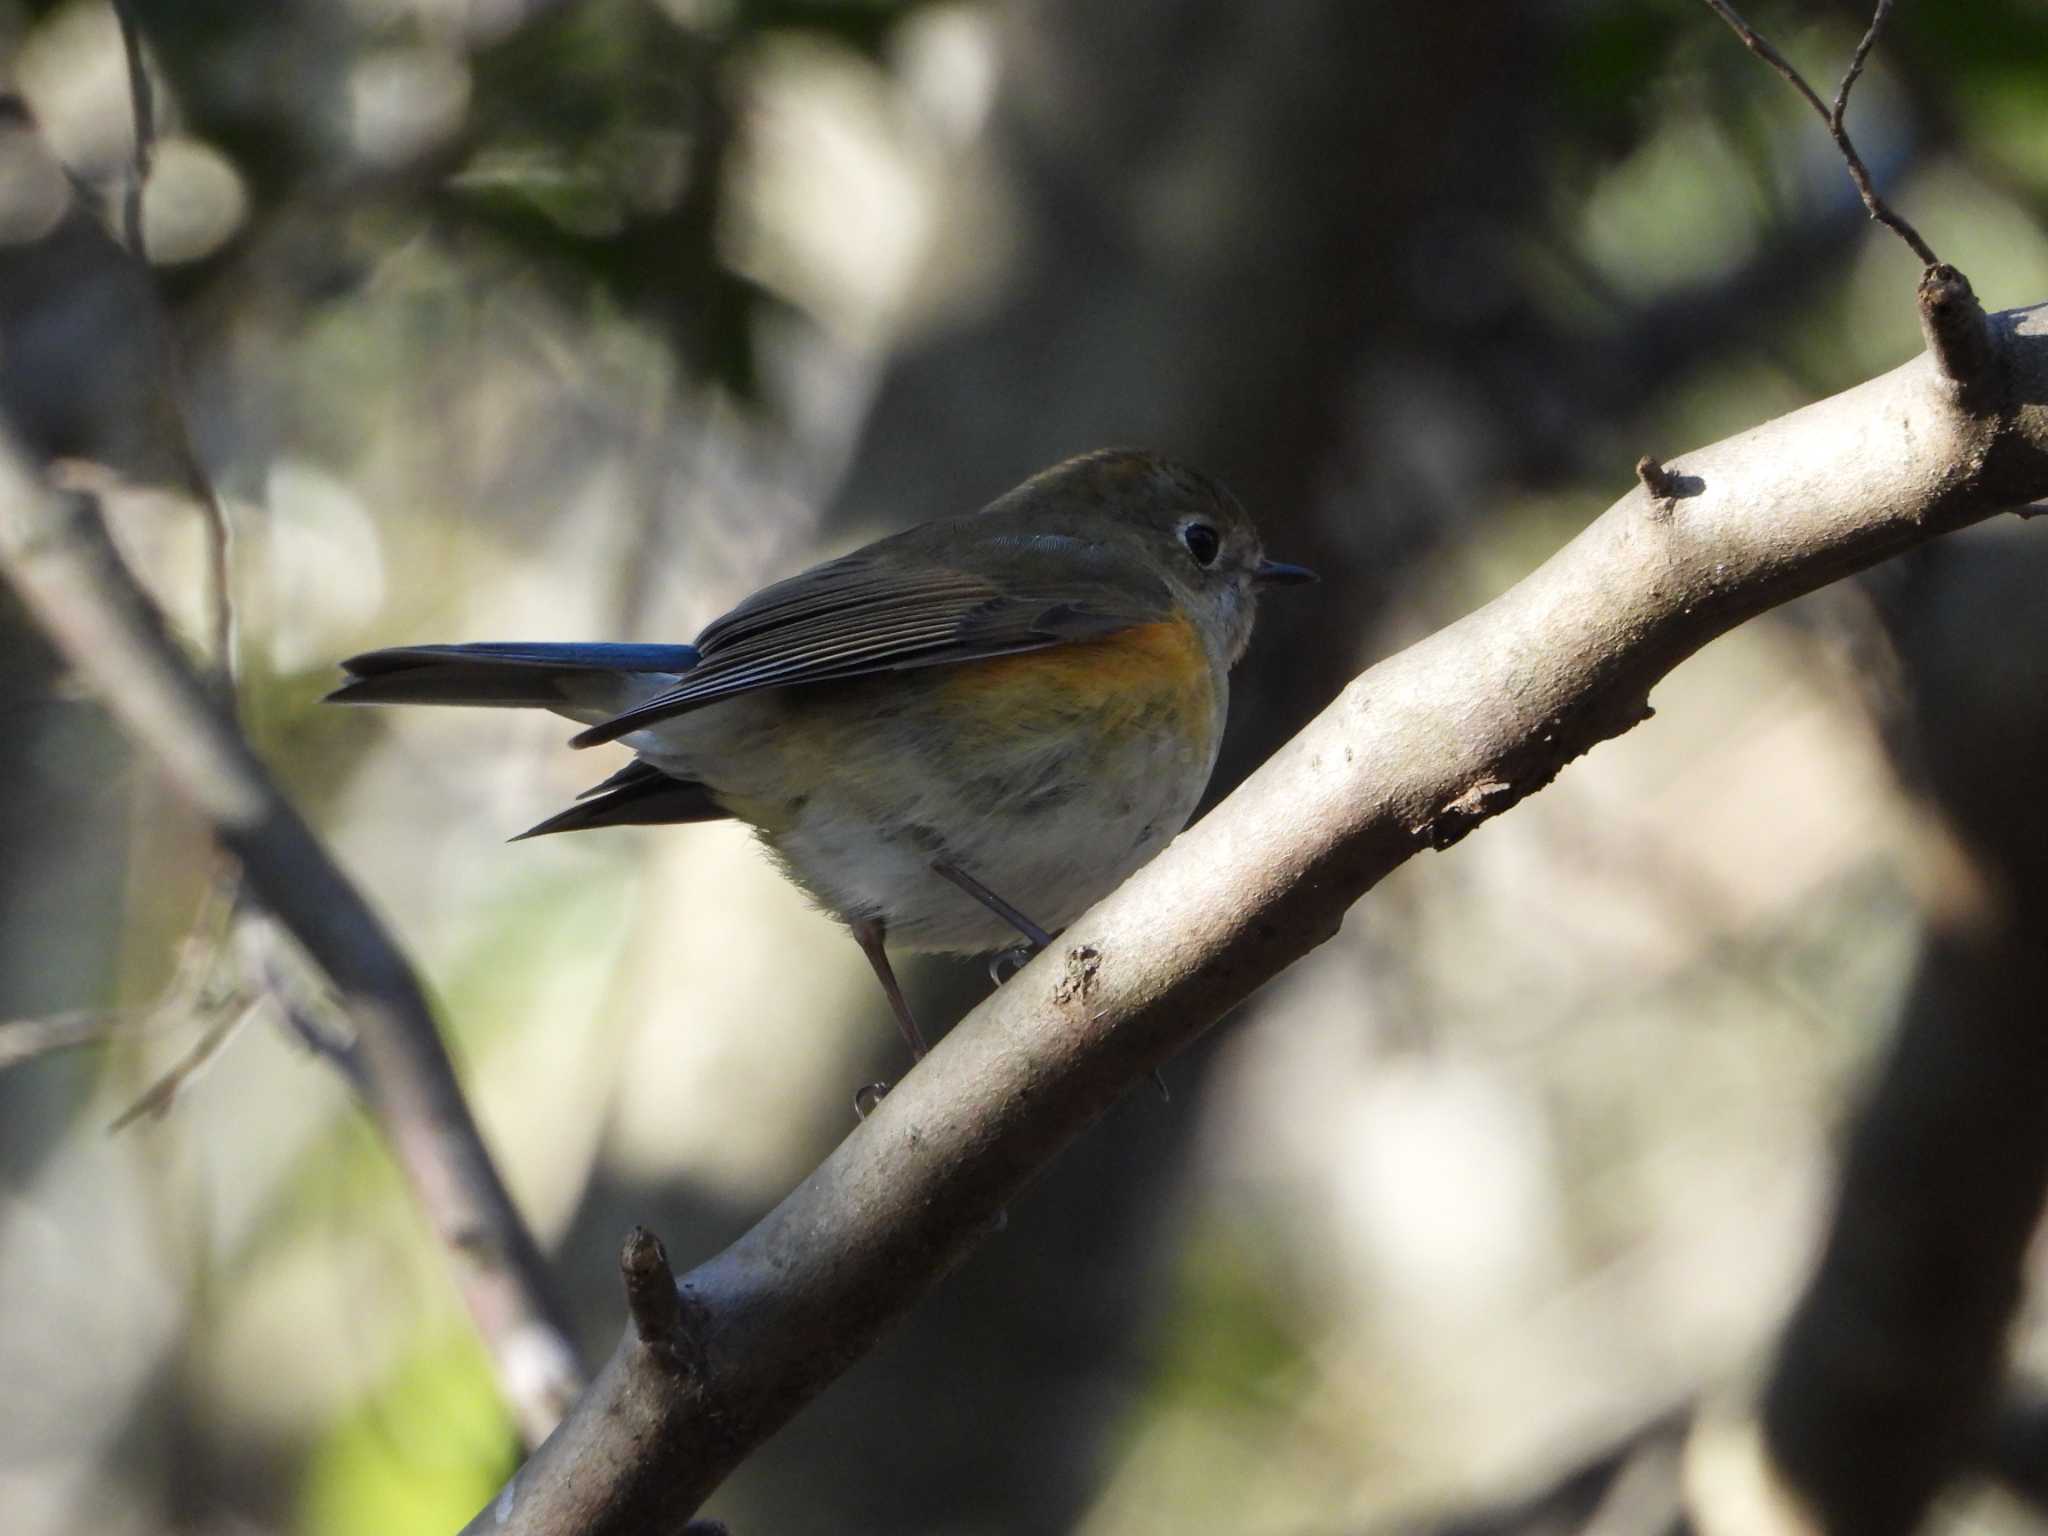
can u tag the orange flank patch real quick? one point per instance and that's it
(1145, 671)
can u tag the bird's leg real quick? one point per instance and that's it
(867, 933)
(1035, 937)
(1006, 963)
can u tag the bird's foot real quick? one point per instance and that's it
(1005, 963)
(868, 1098)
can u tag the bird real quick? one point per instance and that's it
(957, 738)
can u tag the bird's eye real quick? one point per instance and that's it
(1203, 542)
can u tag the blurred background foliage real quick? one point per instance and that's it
(527, 318)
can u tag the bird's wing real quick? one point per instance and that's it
(887, 608)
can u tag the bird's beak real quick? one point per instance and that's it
(1277, 573)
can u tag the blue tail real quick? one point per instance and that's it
(504, 676)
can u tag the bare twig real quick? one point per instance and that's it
(1414, 754)
(220, 606)
(1856, 61)
(220, 601)
(157, 1099)
(181, 996)
(261, 979)
(1761, 46)
(142, 106)
(1577, 1499)
(56, 552)
(1834, 116)
(318, 1025)
(25, 1039)
(263, 984)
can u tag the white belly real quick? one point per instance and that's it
(1052, 862)
(860, 790)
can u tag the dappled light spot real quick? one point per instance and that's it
(194, 204)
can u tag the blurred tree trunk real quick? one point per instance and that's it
(1215, 215)
(1892, 1362)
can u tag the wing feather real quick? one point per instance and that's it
(864, 614)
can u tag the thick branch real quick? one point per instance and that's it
(1413, 755)
(56, 552)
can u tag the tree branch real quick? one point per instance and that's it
(55, 550)
(1833, 117)
(1413, 754)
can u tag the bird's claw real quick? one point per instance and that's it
(868, 1098)
(1005, 963)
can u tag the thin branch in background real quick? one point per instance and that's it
(262, 984)
(197, 991)
(184, 994)
(142, 105)
(652, 1300)
(26, 1039)
(229, 1015)
(1856, 62)
(1582, 1499)
(220, 604)
(1834, 116)
(312, 1014)
(56, 552)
